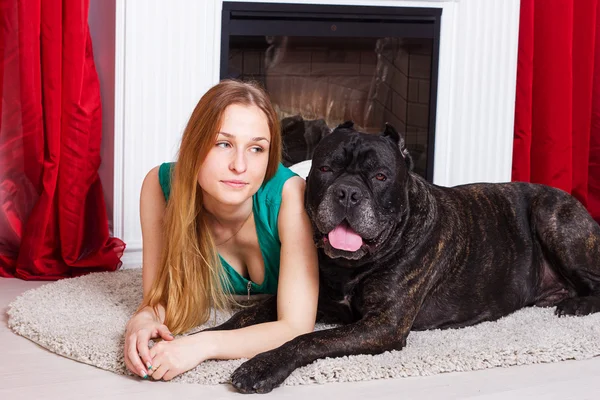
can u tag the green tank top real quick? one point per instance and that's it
(265, 206)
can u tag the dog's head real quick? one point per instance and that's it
(356, 190)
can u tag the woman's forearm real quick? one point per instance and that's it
(247, 342)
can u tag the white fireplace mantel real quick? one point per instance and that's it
(166, 55)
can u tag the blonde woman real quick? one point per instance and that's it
(225, 219)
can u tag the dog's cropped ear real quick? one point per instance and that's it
(345, 125)
(391, 133)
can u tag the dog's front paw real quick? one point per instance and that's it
(260, 374)
(578, 306)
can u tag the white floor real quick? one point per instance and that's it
(28, 371)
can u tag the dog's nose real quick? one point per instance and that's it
(348, 195)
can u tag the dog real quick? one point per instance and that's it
(397, 253)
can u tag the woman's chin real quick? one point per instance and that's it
(234, 197)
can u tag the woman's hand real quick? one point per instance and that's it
(140, 329)
(175, 357)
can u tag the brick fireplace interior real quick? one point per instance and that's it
(339, 74)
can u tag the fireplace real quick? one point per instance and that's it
(325, 64)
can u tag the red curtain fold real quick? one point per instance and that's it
(521, 165)
(557, 135)
(594, 158)
(53, 221)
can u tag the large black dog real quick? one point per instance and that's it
(397, 254)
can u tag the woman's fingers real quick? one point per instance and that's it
(159, 366)
(143, 350)
(128, 364)
(160, 371)
(131, 368)
(134, 359)
(164, 332)
(170, 374)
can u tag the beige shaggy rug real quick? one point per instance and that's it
(84, 318)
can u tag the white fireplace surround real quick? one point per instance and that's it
(156, 58)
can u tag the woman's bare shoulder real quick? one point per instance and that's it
(292, 188)
(151, 189)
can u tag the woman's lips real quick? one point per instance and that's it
(235, 184)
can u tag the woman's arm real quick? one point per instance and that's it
(146, 324)
(298, 288)
(152, 210)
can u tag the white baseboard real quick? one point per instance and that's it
(132, 257)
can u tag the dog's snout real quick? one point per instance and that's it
(348, 195)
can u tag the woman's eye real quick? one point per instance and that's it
(380, 177)
(324, 169)
(223, 145)
(257, 149)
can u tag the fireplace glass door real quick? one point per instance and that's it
(323, 65)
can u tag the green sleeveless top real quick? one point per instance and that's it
(265, 206)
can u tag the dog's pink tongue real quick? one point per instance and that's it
(344, 238)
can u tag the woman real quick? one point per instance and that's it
(227, 218)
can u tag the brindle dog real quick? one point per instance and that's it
(397, 253)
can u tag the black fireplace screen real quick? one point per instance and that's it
(323, 65)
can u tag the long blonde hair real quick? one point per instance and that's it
(191, 279)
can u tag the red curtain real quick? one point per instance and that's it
(53, 221)
(557, 115)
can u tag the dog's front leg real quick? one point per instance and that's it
(388, 303)
(373, 334)
(265, 311)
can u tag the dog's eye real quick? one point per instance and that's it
(324, 169)
(380, 177)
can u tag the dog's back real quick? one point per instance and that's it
(509, 245)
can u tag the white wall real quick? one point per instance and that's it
(166, 55)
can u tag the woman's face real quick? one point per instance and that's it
(235, 167)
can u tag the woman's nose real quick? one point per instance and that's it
(239, 164)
